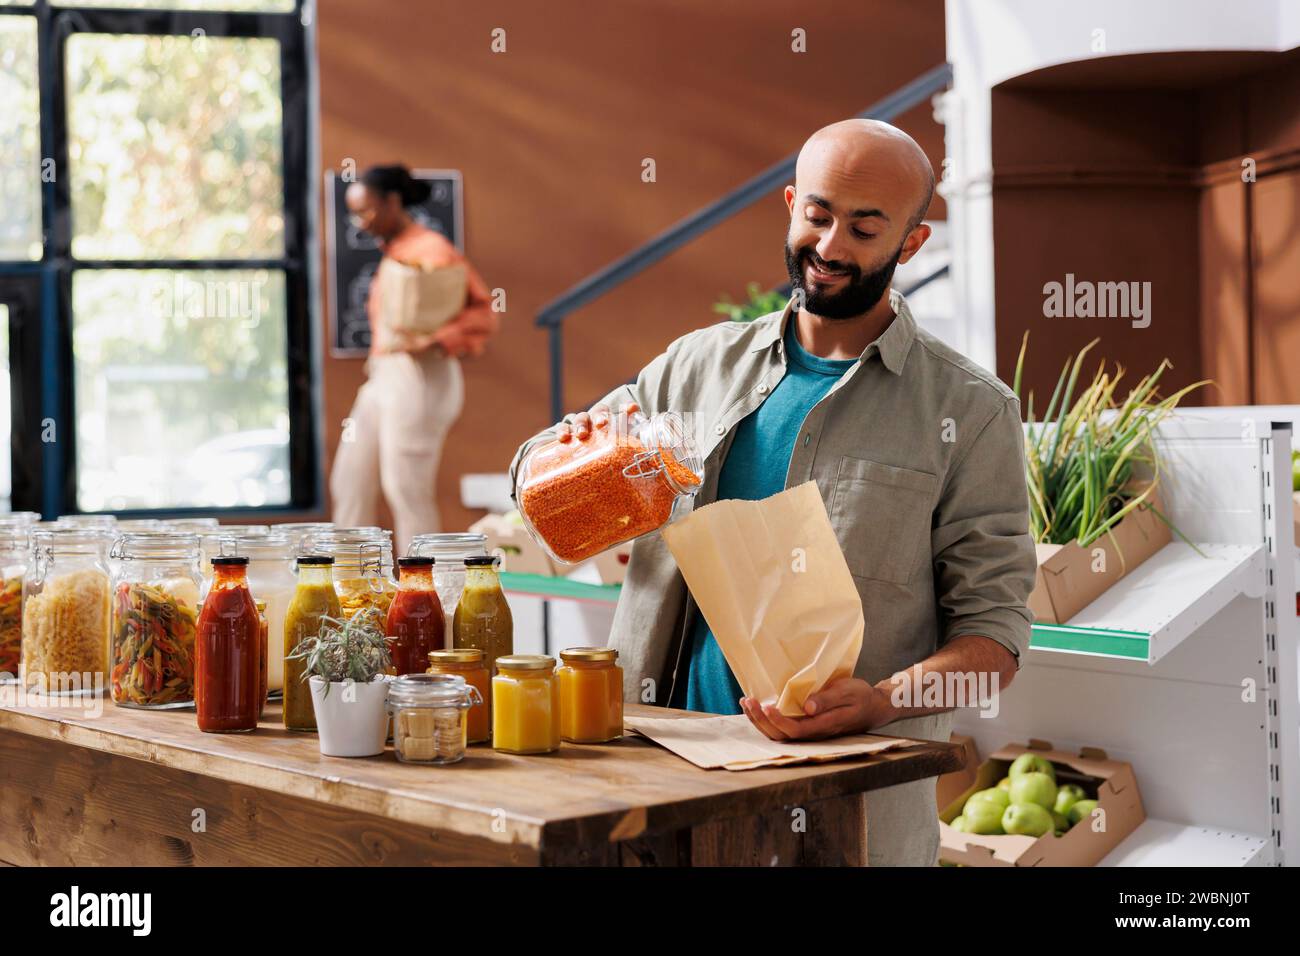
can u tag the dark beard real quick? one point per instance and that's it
(859, 295)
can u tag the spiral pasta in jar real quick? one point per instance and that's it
(154, 613)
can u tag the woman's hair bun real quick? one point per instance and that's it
(397, 179)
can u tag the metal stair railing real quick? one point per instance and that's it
(599, 283)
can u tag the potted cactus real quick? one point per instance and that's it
(345, 665)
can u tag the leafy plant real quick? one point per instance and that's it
(353, 649)
(1083, 458)
(759, 303)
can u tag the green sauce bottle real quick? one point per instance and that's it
(482, 619)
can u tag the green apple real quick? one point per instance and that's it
(1034, 787)
(960, 825)
(1031, 763)
(1081, 810)
(1000, 797)
(1060, 822)
(1026, 819)
(1005, 784)
(983, 816)
(1067, 796)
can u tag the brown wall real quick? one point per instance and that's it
(550, 137)
(1133, 173)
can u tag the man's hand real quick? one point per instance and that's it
(846, 706)
(583, 423)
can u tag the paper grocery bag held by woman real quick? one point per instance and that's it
(414, 390)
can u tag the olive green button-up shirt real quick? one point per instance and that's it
(919, 457)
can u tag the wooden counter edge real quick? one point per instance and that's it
(612, 825)
(353, 795)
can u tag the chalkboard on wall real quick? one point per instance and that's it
(354, 255)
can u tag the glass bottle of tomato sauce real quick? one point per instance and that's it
(228, 652)
(415, 624)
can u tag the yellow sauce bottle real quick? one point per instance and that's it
(591, 695)
(525, 705)
(313, 599)
(482, 617)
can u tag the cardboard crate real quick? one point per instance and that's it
(1068, 579)
(952, 785)
(1082, 845)
(518, 551)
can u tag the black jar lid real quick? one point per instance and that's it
(415, 561)
(480, 560)
(230, 560)
(315, 559)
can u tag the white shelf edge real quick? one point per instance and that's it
(1162, 843)
(1241, 569)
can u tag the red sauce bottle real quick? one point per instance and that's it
(415, 624)
(228, 652)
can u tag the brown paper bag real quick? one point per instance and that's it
(773, 585)
(733, 743)
(419, 301)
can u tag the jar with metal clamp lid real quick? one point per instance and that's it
(154, 612)
(13, 565)
(363, 566)
(630, 477)
(66, 611)
(429, 716)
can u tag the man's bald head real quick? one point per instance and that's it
(871, 145)
(861, 191)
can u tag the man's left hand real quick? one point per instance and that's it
(846, 706)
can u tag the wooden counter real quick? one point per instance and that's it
(147, 788)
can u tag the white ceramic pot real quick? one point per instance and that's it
(352, 719)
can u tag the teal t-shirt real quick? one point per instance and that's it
(755, 468)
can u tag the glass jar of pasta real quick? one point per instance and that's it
(579, 498)
(155, 609)
(363, 566)
(13, 565)
(66, 611)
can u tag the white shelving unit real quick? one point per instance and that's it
(1187, 668)
(1160, 603)
(1159, 843)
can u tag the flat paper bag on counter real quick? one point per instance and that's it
(732, 742)
(773, 585)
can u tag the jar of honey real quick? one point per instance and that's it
(469, 663)
(591, 695)
(525, 705)
(626, 479)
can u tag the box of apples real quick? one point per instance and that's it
(1035, 806)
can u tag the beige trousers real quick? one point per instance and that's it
(392, 441)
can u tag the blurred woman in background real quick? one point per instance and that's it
(414, 390)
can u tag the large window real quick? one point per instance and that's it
(156, 194)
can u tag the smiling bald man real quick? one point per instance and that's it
(918, 454)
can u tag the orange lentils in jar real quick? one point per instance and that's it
(579, 498)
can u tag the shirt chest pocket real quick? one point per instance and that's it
(881, 515)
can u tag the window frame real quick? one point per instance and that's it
(49, 383)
